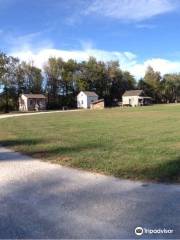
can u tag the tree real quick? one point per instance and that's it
(54, 81)
(92, 76)
(119, 80)
(153, 82)
(29, 78)
(129, 81)
(8, 67)
(171, 87)
(69, 76)
(145, 87)
(69, 84)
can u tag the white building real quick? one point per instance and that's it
(85, 99)
(135, 98)
(32, 102)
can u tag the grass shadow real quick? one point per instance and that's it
(62, 151)
(165, 172)
(34, 148)
(20, 142)
(168, 171)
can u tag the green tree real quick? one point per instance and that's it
(8, 66)
(29, 78)
(170, 87)
(119, 80)
(92, 76)
(153, 81)
(54, 70)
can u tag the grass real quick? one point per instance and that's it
(132, 143)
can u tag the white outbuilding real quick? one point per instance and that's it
(135, 98)
(86, 98)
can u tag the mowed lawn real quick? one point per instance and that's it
(133, 143)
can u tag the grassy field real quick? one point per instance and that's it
(134, 143)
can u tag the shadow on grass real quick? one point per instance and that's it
(165, 172)
(64, 153)
(20, 142)
(59, 151)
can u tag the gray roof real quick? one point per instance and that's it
(40, 96)
(98, 101)
(90, 94)
(133, 93)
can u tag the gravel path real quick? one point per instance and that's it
(2, 116)
(43, 200)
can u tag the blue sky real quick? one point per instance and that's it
(137, 33)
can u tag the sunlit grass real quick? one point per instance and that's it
(135, 143)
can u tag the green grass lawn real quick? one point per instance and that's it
(135, 143)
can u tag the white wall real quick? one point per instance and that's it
(81, 100)
(23, 103)
(84, 101)
(132, 100)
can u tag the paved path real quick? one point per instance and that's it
(43, 200)
(2, 116)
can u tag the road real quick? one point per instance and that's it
(43, 200)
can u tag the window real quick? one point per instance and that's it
(31, 102)
(82, 102)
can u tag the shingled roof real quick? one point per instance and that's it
(40, 96)
(90, 94)
(133, 93)
(98, 101)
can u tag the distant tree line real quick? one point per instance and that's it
(61, 81)
(163, 89)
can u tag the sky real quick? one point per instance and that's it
(137, 33)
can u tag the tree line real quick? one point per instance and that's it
(162, 89)
(61, 81)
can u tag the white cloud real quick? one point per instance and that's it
(158, 64)
(128, 61)
(41, 56)
(133, 10)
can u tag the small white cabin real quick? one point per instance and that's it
(32, 102)
(135, 98)
(86, 98)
